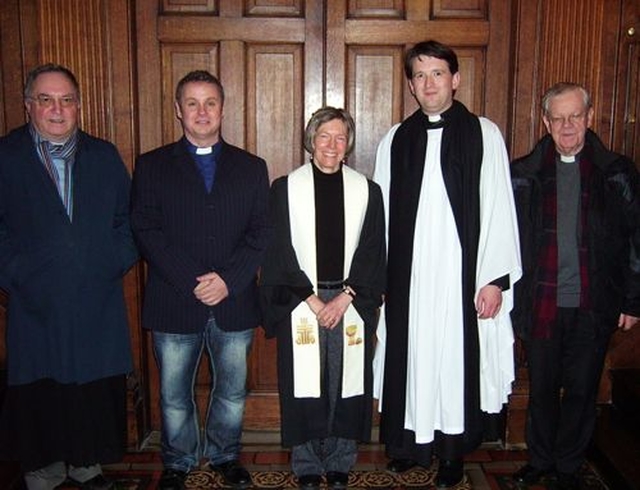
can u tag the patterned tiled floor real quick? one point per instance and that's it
(488, 468)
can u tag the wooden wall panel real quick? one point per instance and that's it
(376, 8)
(177, 61)
(79, 24)
(208, 6)
(376, 86)
(457, 9)
(631, 141)
(274, 8)
(624, 351)
(274, 126)
(563, 41)
(573, 33)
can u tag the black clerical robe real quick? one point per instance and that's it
(304, 419)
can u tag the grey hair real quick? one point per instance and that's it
(561, 88)
(49, 68)
(324, 115)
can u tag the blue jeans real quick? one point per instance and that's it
(178, 357)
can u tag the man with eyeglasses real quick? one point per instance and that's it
(65, 243)
(579, 216)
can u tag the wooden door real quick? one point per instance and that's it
(624, 351)
(279, 61)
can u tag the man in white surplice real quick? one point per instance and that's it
(445, 342)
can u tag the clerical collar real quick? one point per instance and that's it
(202, 150)
(434, 122)
(568, 158)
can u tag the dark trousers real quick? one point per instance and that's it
(319, 456)
(444, 446)
(564, 373)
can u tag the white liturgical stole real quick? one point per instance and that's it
(304, 327)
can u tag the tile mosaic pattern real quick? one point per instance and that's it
(489, 468)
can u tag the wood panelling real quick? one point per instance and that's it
(631, 139)
(443, 9)
(274, 8)
(627, 104)
(375, 8)
(624, 351)
(177, 61)
(574, 33)
(376, 86)
(190, 29)
(274, 106)
(563, 41)
(84, 51)
(209, 6)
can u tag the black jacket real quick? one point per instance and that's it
(184, 231)
(613, 233)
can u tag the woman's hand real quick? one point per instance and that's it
(334, 310)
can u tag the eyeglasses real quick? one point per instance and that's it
(573, 119)
(48, 101)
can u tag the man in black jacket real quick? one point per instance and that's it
(199, 213)
(579, 216)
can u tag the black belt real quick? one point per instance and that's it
(330, 284)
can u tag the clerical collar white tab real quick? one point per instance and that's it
(435, 118)
(204, 151)
(568, 159)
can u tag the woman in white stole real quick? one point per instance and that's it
(321, 287)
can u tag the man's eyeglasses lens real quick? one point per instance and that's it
(48, 101)
(573, 119)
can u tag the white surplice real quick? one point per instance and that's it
(435, 357)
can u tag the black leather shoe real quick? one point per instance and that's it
(568, 481)
(234, 474)
(309, 481)
(98, 482)
(337, 479)
(172, 480)
(530, 475)
(399, 465)
(450, 473)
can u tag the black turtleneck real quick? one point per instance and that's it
(329, 205)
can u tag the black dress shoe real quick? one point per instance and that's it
(234, 474)
(568, 481)
(400, 465)
(337, 479)
(309, 481)
(172, 480)
(530, 475)
(450, 473)
(98, 482)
